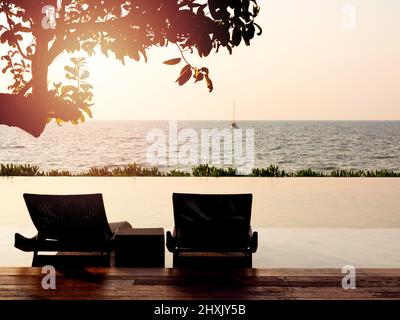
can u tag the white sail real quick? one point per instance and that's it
(233, 124)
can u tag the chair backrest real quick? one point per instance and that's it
(212, 220)
(69, 217)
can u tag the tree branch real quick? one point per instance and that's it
(183, 56)
(56, 49)
(25, 89)
(24, 113)
(21, 53)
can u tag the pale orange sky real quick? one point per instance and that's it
(305, 66)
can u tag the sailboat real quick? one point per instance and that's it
(233, 124)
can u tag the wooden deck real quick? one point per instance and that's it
(145, 284)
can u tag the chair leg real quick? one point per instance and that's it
(108, 259)
(35, 260)
(249, 262)
(175, 260)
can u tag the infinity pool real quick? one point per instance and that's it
(302, 222)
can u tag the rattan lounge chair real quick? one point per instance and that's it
(75, 226)
(212, 230)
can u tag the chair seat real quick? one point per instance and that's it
(78, 245)
(250, 246)
(34, 244)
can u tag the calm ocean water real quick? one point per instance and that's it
(293, 145)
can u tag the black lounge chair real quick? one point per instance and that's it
(69, 224)
(212, 230)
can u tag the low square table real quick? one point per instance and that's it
(140, 247)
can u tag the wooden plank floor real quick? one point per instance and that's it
(182, 284)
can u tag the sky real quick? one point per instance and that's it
(316, 60)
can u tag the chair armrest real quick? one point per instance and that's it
(171, 243)
(116, 226)
(254, 242)
(25, 244)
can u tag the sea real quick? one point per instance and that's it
(291, 145)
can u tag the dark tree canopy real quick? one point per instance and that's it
(35, 32)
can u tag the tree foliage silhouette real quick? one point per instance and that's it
(36, 32)
(79, 92)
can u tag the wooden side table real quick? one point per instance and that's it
(144, 247)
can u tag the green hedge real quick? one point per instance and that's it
(204, 170)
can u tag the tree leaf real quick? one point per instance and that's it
(250, 30)
(72, 45)
(86, 86)
(69, 69)
(185, 75)
(229, 48)
(87, 111)
(134, 54)
(205, 70)
(199, 77)
(172, 62)
(67, 89)
(209, 83)
(88, 47)
(259, 32)
(7, 36)
(143, 52)
(20, 28)
(204, 46)
(104, 46)
(186, 68)
(236, 36)
(85, 75)
(5, 69)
